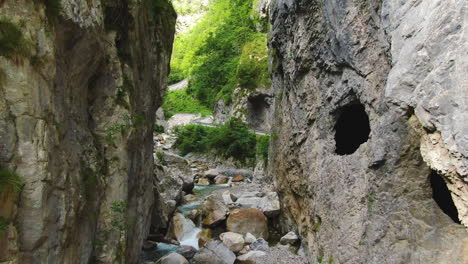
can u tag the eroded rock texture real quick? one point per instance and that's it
(404, 64)
(76, 123)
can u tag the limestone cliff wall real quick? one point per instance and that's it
(76, 119)
(405, 63)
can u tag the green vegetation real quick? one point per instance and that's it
(9, 181)
(320, 259)
(123, 90)
(220, 53)
(180, 102)
(252, 71)
(330, 260)
(3, 225)
(263, 142)
(12, 42)
(230, 140)
(53, 8)
(128, 123)
(118, 210)
(184, 7)
(160, 156)
(158, 129)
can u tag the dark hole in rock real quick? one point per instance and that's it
(352, 129)
(441, 194)
(258, 108)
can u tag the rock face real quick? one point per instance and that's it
(77, 109)
(370, 97)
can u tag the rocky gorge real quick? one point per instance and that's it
(366, 108)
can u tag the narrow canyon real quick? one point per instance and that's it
(233, 131)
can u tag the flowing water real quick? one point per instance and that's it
(191, 231)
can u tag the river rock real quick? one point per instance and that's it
(211, 174)
(234, 241)
(213, 210)
(190, 198)
(204, 181)
(205, 236)
(238, 178)
(193, 215)
(173, 258)
(178, 226)
(250, 257)
(215, 252)
(221, 179)
(187, 252)
(227, 197)
(249, 220)
(245, 249)
(268, 203)
(259, 244)
(290, 238)
(249, 238)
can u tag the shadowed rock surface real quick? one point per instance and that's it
(76, 123)
(372, 202)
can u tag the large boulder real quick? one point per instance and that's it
(214, 210)
(235, 242)
(180, 226)
(215, 252)
(267, 203)
(221, 179)
(249, 220)
(173, 258)
(211, 174)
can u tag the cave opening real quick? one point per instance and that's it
(257, 108)
(352, 129)
(442, 196)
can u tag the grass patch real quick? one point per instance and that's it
(180, 102)
(230, 140)
(9, 181)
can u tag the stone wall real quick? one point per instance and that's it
(403, 63)
(76, 122)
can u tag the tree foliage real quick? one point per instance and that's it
(210, 53)
(230, 140)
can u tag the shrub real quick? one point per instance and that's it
(192, 138)
(180, 102)
(9, 181)
(233, 139)
(158, 129)
(230, 140)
